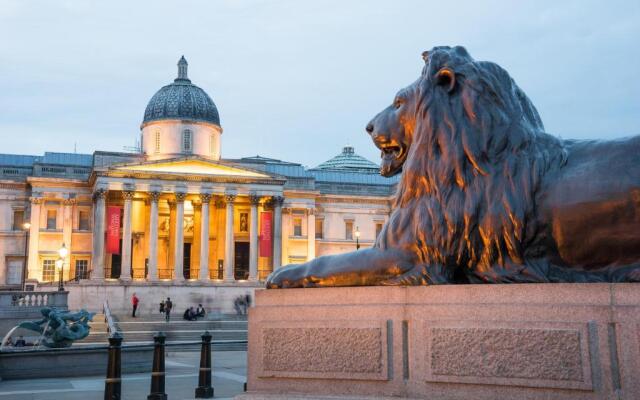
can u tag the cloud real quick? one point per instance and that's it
(298, 80)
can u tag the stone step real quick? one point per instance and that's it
(160, 317)
(185, 335)
(182, 325)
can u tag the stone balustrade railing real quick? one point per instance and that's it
(16, 300)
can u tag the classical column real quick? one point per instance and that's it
(125, 271)
(277, 231)
(228, 239)
(67, 229)
(97, 261)
(179, 241)
(171, 239)
(152, 273)
(204, 237)
(311, 234)
(33, 266)
(194, 271)
(253, 237)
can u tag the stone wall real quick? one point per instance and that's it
(550, 341)
(215, 298)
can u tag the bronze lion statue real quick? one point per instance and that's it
(485, 195)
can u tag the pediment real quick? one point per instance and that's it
(191, 166)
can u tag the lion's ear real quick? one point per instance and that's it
(446, 78)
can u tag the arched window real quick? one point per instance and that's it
(157, 142)
(187, 141)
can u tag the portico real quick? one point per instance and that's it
(185, 226)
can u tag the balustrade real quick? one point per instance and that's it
(14, 299)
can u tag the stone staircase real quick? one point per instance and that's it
(140, 330)
(98, 334)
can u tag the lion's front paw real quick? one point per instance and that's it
(290, 276)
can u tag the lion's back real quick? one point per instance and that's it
(592, 204)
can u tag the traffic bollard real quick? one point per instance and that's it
(157, 374)
(204, 389)
(113, 383)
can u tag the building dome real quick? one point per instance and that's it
(181, 100)
(181, 120)
(348, 160)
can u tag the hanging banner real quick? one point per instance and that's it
(113, 230)
(265, 234)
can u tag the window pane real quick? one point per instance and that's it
(348, 227)
(18, 220)
(158, 142)
(51, 219)
(297, 227)
(83, 220)
(378, 228)
(48, 270)
(186, 141)
(319, 228)
(82, 269)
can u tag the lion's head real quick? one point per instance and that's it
(472, 151)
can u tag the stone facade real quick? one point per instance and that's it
(187, 216)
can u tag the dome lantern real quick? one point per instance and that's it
(182, 70)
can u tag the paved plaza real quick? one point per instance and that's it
(229, 375)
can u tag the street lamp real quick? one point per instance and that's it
(26, 226)
(357, 238)
(60, 265)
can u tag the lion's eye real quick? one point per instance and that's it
(397, 103)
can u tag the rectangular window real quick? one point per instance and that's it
(83, 220)
(378, 228)
(48, 270)
(18, 219)
(158, 142)
(51, 219)
(319, 228)
(211, 145)
(82, 269)
(348, 230)
(297, 227)
(186, 141)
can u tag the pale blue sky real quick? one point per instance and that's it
(294, 79)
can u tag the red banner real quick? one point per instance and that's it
(265, 234)
(113, 230)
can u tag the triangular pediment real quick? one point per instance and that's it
(192, 166)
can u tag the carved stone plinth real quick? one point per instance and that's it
(538, 341)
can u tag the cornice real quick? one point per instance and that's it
(188, 177)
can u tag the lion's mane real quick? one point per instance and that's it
(467, 195)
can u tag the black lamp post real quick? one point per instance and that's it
(26, 226)
(60, 265)
(357, 238)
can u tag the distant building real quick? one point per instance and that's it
(184, 215)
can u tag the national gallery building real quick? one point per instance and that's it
(175, 218)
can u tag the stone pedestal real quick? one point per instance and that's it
(548, 341)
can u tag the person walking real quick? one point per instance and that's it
(134, 303)
(168, 305)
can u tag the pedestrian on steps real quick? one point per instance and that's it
(168, 305)
(134, 303)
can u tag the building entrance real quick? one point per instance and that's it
(116, 263)
(186, 261)
(241, 264)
